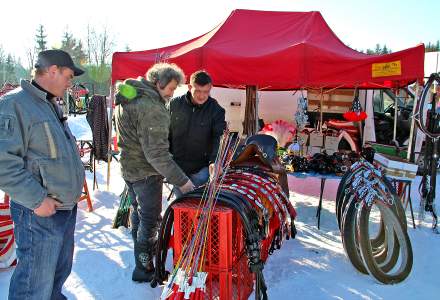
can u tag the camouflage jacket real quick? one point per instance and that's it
(142, 126)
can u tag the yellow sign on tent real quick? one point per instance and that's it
(386, 69)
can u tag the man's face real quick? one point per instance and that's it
(199, 93)
(61, 80)
(168, 91)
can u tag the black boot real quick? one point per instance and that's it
(144, 270)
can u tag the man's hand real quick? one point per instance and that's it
(187, 187)
(47, 208)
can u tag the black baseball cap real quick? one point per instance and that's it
(59, 58)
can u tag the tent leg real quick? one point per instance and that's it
(413, 131)
(396, 109)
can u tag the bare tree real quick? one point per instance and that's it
(89, 57)
(100, 46)
(30, 55)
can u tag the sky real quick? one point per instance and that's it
(150, 24)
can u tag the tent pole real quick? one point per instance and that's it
(413, 130)
(321, 101)
(110, 128)
(257, 100)
(396, 103)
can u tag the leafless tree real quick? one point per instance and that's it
(100, 46)
(89, 57)
(30, 55)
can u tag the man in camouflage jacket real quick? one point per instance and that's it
(142, 124)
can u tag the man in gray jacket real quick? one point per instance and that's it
(142, 124)
(41, 170)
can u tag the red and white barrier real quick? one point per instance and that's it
(7, 242)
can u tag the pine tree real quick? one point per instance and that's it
(40, 39)
(67, 43)
(428, 47)
(10, 70)
(2, 67)
(74, 47)
(378, 49)
(80, 56)
(432, 47)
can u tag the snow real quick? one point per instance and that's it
(312, 266)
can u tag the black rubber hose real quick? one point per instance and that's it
(419, 111)
(406, 255)
(385, 249)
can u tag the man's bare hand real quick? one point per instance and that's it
(187, 187)
(47, 208)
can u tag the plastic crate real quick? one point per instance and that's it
(225, 241)
(234, 284)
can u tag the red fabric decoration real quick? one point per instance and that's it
(267, 127)
(355, 116)
(281, 130)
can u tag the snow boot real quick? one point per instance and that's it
(144, 270)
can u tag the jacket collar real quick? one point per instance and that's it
(151, 86)
(188, 99)
(28, 87)
(49, 95)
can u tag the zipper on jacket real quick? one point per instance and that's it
(58, 118)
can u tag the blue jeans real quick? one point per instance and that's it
(145, 218)
(44, 251)
(198, 179)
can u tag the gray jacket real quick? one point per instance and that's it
(38, 153)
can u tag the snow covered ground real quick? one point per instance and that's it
(312, 266)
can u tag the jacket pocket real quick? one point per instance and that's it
(34, 167)
(58, 180)
(6, 126)
(42, 140)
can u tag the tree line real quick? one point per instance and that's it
(93, 55)
(377, 50)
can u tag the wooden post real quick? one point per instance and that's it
(250, 114)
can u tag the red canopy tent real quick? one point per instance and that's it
(277, 51)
